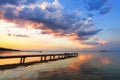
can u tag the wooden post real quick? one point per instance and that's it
(50, 58)
(63, 56)
(24, 59)
(44, 58)
(53, 57)
(72, 54)
(41, 58)
(21, 60)
(58, 56)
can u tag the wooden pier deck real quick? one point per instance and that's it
(43, 57)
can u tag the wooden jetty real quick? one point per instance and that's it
(43, 57)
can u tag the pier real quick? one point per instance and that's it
(43, 57)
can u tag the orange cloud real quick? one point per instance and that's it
(103, 42)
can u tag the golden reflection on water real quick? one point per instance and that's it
(105, 61)
(81, 59)
(9, 61)
(17, 60)
(77, 68)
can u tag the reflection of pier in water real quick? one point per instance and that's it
(43, 58)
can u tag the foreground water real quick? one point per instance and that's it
(87, 66)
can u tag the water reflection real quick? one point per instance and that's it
(105, 61)
(87, 66)
(84, 57)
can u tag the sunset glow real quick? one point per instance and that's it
(49, 25)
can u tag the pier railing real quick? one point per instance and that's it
(43, 57)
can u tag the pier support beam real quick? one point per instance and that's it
(41, 58)
(53, 57)
(50, 58)
(58, 56)
(22, 60)
(45, 59)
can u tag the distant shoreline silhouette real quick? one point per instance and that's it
(7, 49)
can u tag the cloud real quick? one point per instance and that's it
(13, 2)
(105, 10)
(95, 4)
(16, 2)
(51, 19)
(87, 33)
(21, 35)
(98, 6)
(95, 41)
(17, 35)
(110, 46)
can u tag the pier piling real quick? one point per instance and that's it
(43, 57)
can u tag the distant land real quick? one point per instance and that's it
(103, 51)
(7, 49)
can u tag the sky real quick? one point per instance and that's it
(60, 24)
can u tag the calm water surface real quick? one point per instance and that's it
(87, 66)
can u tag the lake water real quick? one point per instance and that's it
(87, 66)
